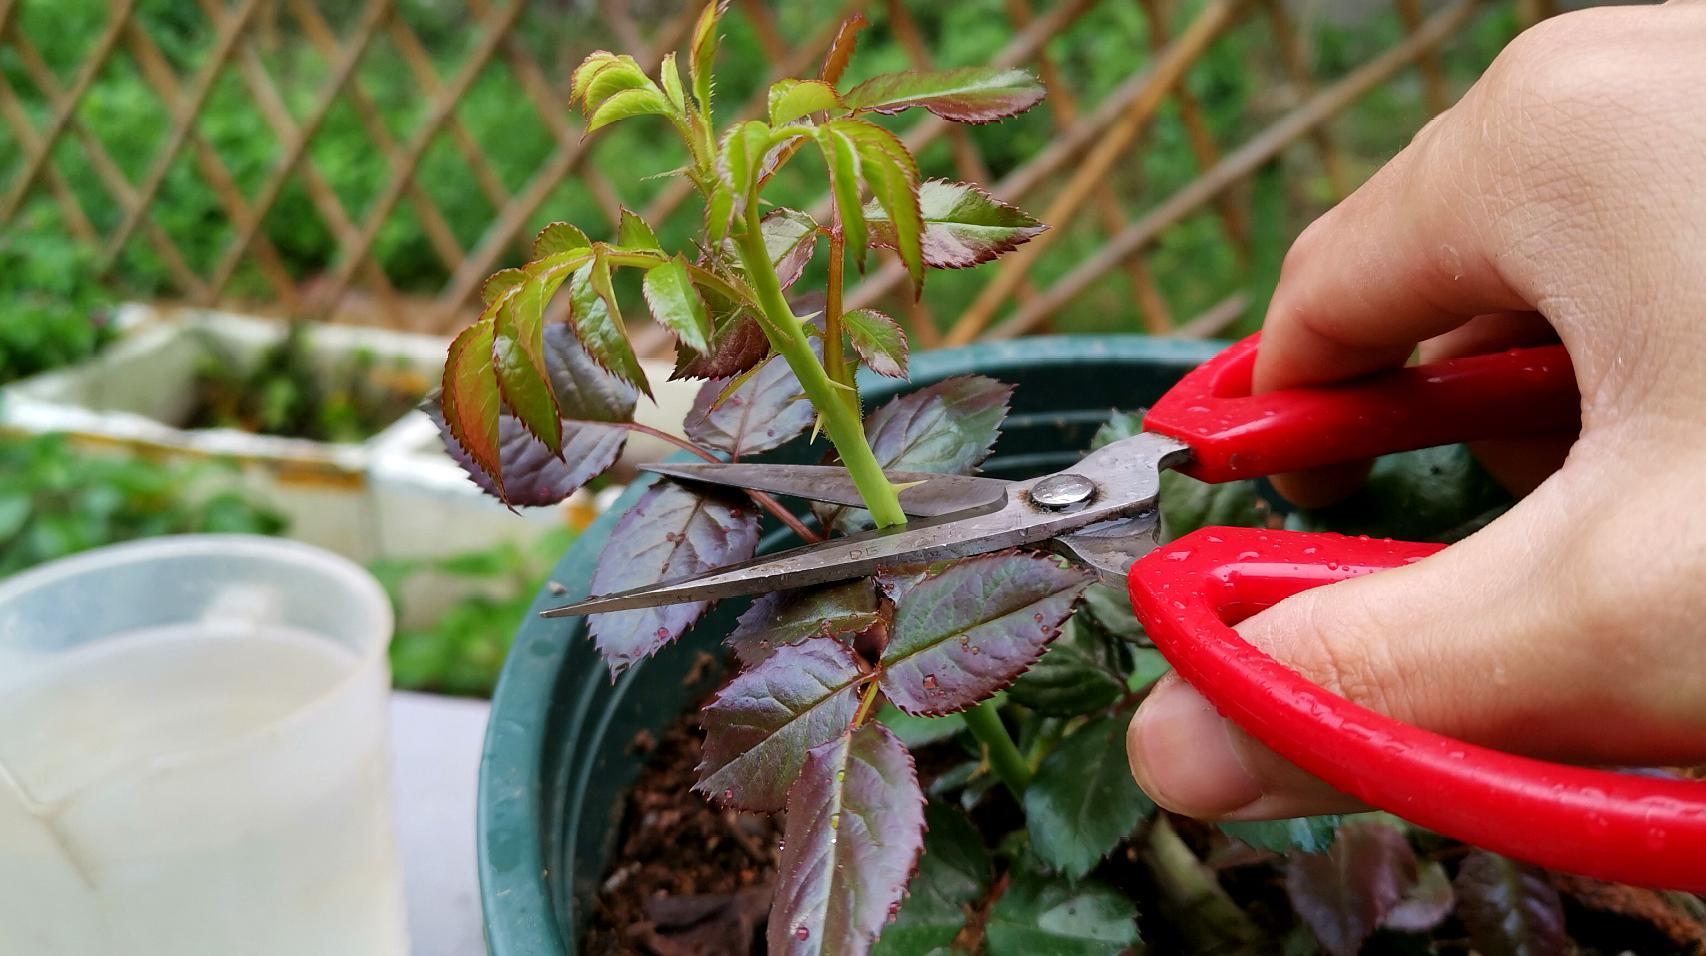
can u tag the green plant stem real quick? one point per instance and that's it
(833, 361)
(788, 337)
(984, 722)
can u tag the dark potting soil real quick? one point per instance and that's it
(690, 879)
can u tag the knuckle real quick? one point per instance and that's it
(1342, 638)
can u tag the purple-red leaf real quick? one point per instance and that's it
(855, 828)
(963, 225)
(1509, 909)
(841, 48)
(533, 475)
(763, 412)
(760, 726)
(738, 345)
(669, 533)
(1346, 893)
(585, 391)
(878, 340)
(947, 428)
(969, 630)
(1426, 903)
(782, 618)
(471, 402)
(973, 94)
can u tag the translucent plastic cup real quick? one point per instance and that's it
(192, 754)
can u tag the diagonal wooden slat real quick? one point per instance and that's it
(67, 105)
(1438, 92)
(1291, 52)
(75, 218)
(107, 171)
(320, 191)
(438, 231)
(157, 72)
(566, 157)
(1240, 163)
(380, 209)
(1201, 138)
(200, 87)
(295, 146)
(1164, 75)
(1063, 111)
(408, 44)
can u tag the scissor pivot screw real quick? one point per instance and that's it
(1062, 491)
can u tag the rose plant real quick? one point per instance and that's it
(835, 686)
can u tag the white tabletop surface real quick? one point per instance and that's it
(435, 765)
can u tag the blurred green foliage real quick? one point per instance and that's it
(53, 308)
(463, 650)
(56, 500)
(1240, 82)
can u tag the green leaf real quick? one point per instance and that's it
(1509, 909)
(1109, 608)
(781, 618)
(598, 324)
(793, 99)
(518, 358)
(670, 74)
(1306, 834)
(1188, 504)
(878, 340)
(918, 732)
(719, 212)
(963, 225)
(1083, 801)
(855, 828)
(596, 62)
(841, 158)
(759, 727)
(790, 238)
(626, 104)
(669, 533)
(633, 233)
(889, 169)
(703, 53)
(965, 632)
(559, 238)
(470, 400)
(1119, 425)
(1081, 673)
(953, 874)
(1436, 494)
(676, 304)
(741, 155)
(1345, 894)
(974, 94)
(499, 284)
(1044, 914)
(611, 77)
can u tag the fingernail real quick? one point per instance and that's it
(1183, 755)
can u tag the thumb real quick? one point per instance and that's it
(1509, 639)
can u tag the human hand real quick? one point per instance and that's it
(1564, 198)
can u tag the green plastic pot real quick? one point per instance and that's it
(557, 761)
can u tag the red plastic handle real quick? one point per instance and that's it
(1234, 434)
(1620, 827)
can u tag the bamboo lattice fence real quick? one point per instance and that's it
(1079, 180)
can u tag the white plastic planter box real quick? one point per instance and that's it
(395, 495)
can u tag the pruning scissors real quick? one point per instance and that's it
(1102, 513)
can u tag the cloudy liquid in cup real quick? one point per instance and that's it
(197, 788)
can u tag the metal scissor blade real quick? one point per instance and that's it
(926, 495)
(838, 559)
